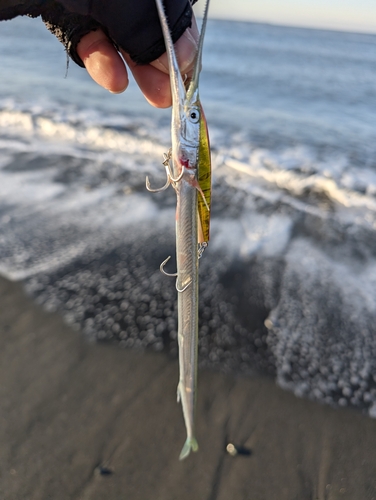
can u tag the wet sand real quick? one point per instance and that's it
(88, 421)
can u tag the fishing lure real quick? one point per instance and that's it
(188, 168)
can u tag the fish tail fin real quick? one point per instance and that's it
(190, 444)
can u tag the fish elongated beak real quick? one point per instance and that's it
(192, 86)
(181, 91)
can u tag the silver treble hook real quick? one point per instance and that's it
(161, 267)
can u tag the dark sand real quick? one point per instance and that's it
(68, 408)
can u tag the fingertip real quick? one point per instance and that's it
(159, 102)
(103, 62)
(117, 91)
(154, 84)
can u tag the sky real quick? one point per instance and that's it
(347, 15)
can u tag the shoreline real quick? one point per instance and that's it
(90, 421)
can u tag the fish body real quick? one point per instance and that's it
(187, 286)
(191, 178)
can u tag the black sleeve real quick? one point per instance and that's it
(132, 25)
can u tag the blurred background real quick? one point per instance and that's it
(346, 15)
(288, 284)
(292, 115)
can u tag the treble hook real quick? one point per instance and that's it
(182, 289)
(161, 267)
(178, 178)
(158, 190)
(165, 163)
(170, 178)
(167, 157)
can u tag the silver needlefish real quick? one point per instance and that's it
(188, 168)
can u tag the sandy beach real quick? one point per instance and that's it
(89, 421)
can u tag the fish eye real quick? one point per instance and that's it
(194, 115)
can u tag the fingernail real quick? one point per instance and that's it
(159, 64)
(120, 90)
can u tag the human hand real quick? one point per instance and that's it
(106, 67)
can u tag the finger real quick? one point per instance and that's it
(102, 61)
(185, 50)
(154, 84)
(153, 79)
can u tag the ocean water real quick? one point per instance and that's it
(289, 280)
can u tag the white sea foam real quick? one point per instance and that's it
(348, 192)
(77, 134)
(16, 120)
(295, 171)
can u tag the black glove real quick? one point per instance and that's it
(132, 25)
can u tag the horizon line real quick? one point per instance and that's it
(317, 27)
